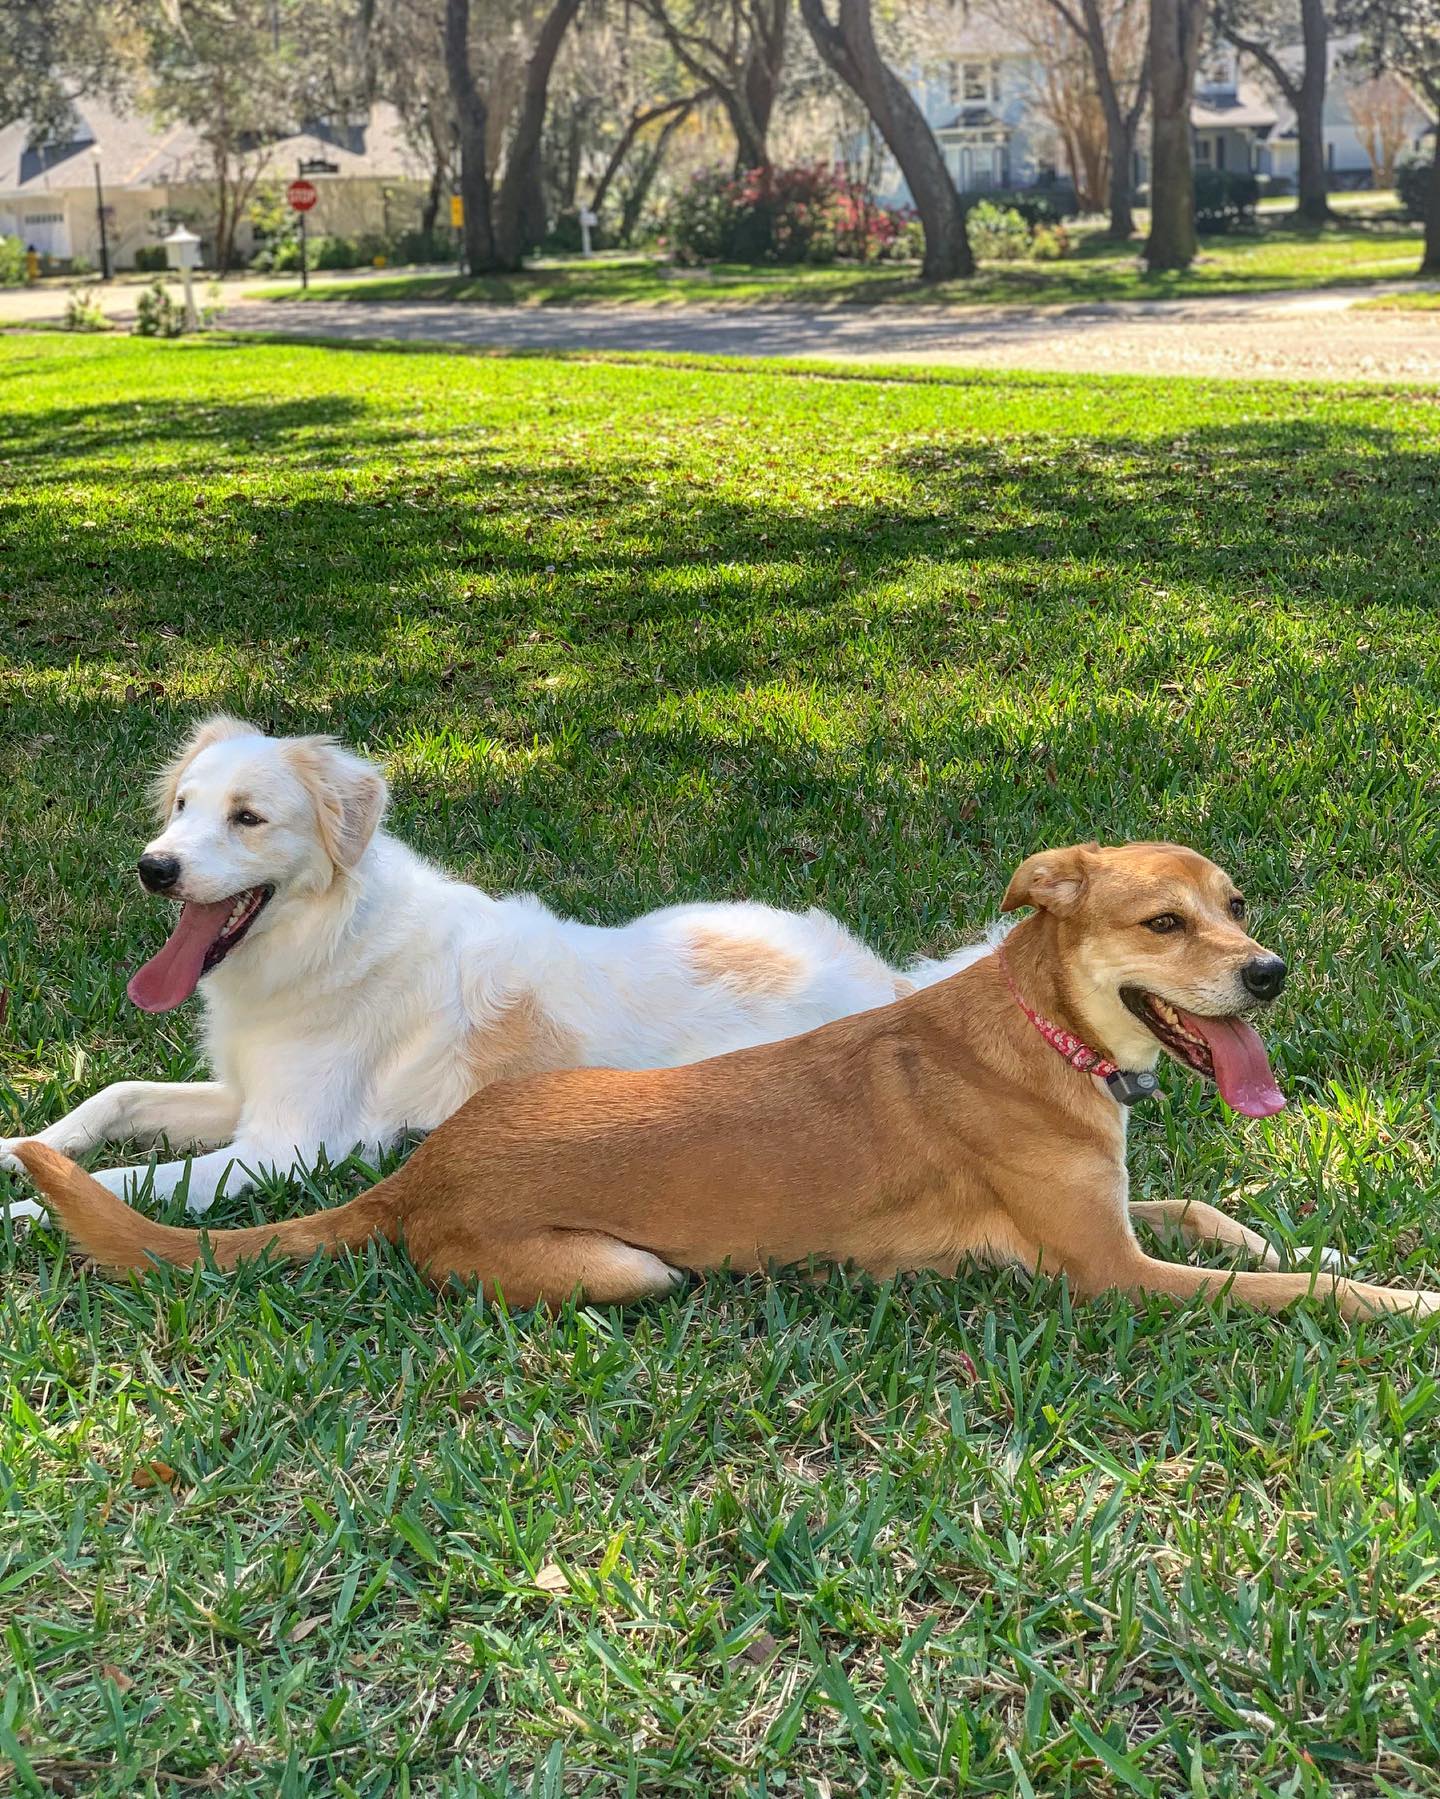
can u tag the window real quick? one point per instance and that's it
(974, 84)
(952, 82)
(994, 81)
(1202, 151)
(44, 218)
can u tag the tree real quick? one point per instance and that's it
(1114, 37)
(1385, 115)
(502, 222)
(848, 47)
(52, 51)
(520, 203)
(1405, 36)
(734, 49)
(1091, 86)
(1261, 29)
(242, 73)
(1176, 28)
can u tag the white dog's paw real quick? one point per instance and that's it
(1333, 1261)
(9, 1161)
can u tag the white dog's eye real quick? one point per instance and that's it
(247, 818)
(179, 805)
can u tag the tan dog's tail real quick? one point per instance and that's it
(116, 1236)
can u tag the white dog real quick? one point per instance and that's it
(353, 991)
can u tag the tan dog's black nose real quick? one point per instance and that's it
(158, 874)
(1264, 977)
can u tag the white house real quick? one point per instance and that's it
(148, 177)
(981, 101)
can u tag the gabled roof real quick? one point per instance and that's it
(136, 153)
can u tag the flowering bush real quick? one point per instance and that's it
(807, 214)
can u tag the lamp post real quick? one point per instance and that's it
(100, 214)
(182, 251)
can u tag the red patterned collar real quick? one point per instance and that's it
(1126, 1086)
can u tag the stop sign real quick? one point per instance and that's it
(302, 195)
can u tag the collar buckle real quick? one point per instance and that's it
(1127, 1086)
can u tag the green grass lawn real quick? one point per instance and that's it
(1274, 256)
(627, 634)
(1422, 299)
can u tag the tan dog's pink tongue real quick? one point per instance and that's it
(168, 979)
(1242, 1068)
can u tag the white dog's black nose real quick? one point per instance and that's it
(1264, 977)
(158, 873)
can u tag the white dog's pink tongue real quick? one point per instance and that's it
(168, 979)
(1242, 1068)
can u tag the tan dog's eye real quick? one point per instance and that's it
(247, 818)
(1164, 923)
(1237, 907)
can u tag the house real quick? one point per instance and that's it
(980, 103)
(150, 177)
(989, 103)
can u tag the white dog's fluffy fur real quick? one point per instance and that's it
(373, 993)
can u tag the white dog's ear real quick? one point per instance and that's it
(1053, 880)
(349, 794)
(210, 730)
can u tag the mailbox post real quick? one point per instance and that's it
(587, 219)
(182, 251)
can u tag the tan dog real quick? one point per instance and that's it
(940, 1128)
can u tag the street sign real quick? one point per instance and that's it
(457, 211)
(302, 195)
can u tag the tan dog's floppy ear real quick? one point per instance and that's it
(210, 730)
(349, 795)
(1052, 880)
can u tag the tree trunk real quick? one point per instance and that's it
(1313, 206)
(479, 234)
(430, 207)
(635, 199)
(1122, 159)
(1430, 261)
(848, 47)
(637, 122)
(522, 192)
(1175, 30)
(1121, 122)
(762, 75)
(1306, 95)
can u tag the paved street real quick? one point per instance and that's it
(1295, 335)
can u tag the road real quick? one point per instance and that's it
(1298, 336)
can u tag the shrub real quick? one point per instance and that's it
(807, 214)
(150, 259)
(1036, 205)
(82, 312)
(423, 246)
(1224, 198)
(157, 315)
(997, 233)
(1412, 185)
(12, 261)
(1048, 243)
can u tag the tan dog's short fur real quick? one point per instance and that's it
(930, 1131)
